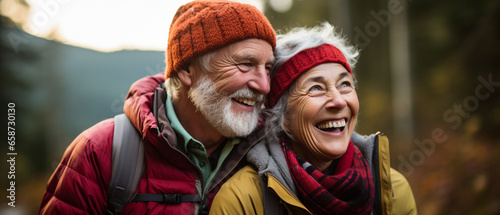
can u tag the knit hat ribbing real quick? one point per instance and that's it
(200, 27)
(300, 63)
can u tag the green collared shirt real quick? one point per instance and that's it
(195, 150)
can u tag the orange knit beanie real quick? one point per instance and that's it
(200, 27)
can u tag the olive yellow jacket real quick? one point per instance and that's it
(243, 193)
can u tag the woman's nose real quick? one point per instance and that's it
(335, 100)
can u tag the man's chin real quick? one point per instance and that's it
(238, 126)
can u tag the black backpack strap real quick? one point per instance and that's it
(270, 200)
(127, 164)
(166, 198)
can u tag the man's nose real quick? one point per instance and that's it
(260, 81)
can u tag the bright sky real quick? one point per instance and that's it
(107, 25)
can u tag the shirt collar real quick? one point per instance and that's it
(183, 136)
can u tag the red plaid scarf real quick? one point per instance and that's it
(348, 191)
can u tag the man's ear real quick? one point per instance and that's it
(185, 76)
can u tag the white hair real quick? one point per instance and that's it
(300, 38)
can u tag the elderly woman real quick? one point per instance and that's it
(311, 161)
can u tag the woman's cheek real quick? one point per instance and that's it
(302, 123)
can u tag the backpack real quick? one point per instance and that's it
(127, 165)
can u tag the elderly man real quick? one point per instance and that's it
(218, 60)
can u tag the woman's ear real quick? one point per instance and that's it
(185, 76)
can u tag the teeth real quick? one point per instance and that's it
(336, 124)
(249, 102)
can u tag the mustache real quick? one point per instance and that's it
(247, 93)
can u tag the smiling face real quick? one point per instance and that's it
(322, 113)
(231, 94)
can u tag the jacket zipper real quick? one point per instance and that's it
(284, 188)
(198, 171)
(234, 166)
(268, 174)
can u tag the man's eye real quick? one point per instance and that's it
(268, 69)
(244, 66)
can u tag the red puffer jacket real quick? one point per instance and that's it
(80, 182)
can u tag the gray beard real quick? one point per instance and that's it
(216, 108)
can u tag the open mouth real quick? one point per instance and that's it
(332, 125)
(245, 101)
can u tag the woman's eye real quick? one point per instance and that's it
(346, 84)
(315, 88)
(345, 87)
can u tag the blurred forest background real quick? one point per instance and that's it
(428, 78)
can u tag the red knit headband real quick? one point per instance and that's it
(300, 63)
